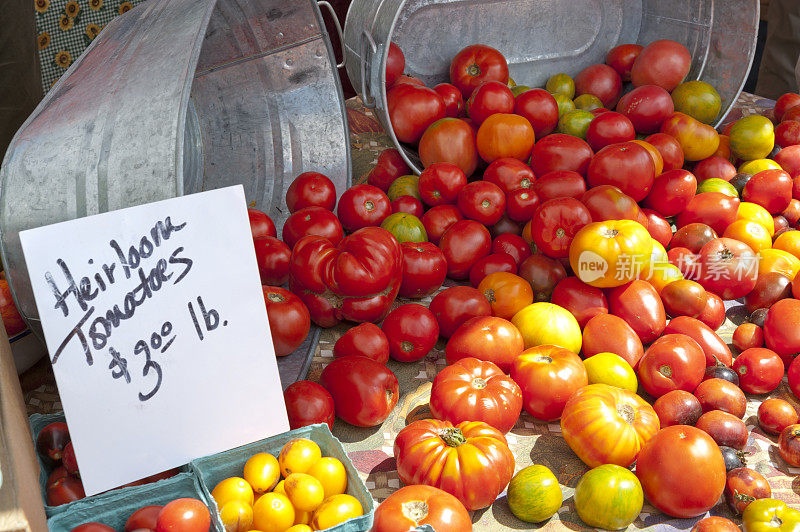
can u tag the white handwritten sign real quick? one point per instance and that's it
(156, 326)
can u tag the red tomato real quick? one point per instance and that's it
(389, 167)
(781, 332)
(145, 517)
(664, 63)
(669, 148)
(770, 288)
(514, 245)
(362, 206)
(408, 205)
(289, 320)
(184, 515)
(496, 262)
(453, 100)
(450, 140)
(673, 362)
(627, 166)
(440, 183)
(743, 486)
(747, 335)
(412, 332)
(659, 228)
(684, 298)
(714, 209)
(792, 212)
(438, 219)
(410, 507)
(560, 184)
(541, 110)
(311, 189)
(719, 394)
(787, 133)
(714, 167)
(412, 108)
(261, 224)
(607, 202)
(560, 152)
(272, 257)
(606, 333)
(70, 461)
(395, 64)
(509, 174)
(64, 490)
(543, 274)
(609, 128)
(582, 300)
(677, 457)
(424, 269)
(728, 268)
(475, 64)
(725, 429)
(548, 376)
(714, 313)
(715, 524)
(677, 407)
(12, 320)
(486, 338)
(489, 98)
(506, 226)
(647, 107)
(307, 403)
(774, 415)
(366, 340)
(482, 201)
(364, 391)
(95, 527)
(312, 221)
(455, 305)
(784, 103)
(772, 189)
(555, 224)
(521, 204)
(789, 445)
(638, 303)
(50, 443)
(671, 192)
(602, 81)
(760, 370)
(475, 390)
(621, 59)
(716, 351)
(463, 244)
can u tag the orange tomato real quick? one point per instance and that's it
(232, 489)
(789, 242)
(526, 234)
(751, 233)
(663, 273)
(331, 474)
(658, 160)
(297, 456)
(336, 509)
(505, 135)
(698, 140)
(262, 472)
(754, 212)
(610, 253)
(273, 512)
(507, 293)
(302, 518)
(724, 149)
(778, 260)
(305, 491)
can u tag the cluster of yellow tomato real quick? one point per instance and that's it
(299, 491)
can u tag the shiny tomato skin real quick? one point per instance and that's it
(548, 376)
(438, 219)
(424, 269)
(714, 167)
(260, 223)
(398, 512)
(541, 110)
(781, 332)
(409, 205)
(742, 486)
(453, 100)
(51, 441)
(64, 490)
(463, 244)
(412, 331)
(664, 63)
(475, 64)
(678, 457)
(312, 221)
(693, 237)
(482, 201)
(772, 189)
(607, 202)
(521, 205)
(719, 394)
(486, 338)
(69, 460)
(555, 224)
(476, 390)
(307, 403)
(627, 165)
(714, 348)
(362, 206)
(272, 257)
(787, 133)
(747, 335)
(789, 445)
(602, 81)
(505, 135)
(542, 273)
(145, 517)
(509, 174)
(184, 515)
(621, 59)
(450, 140)
(412, 108)
(646, 107)
(488, 98)
(440, 183)
(728, 268)
(725, 429)
(366, 340)
(669, 148)
(671, 192)
(457, 304)
(784, 103)
(638, 303)
(715, 524)
(677, 407)
(493, 263)
(582, 300)
(673, 362)
(514, 245)
(560, 184)
(364, 391)
(684, 298)
(395, 64)
(658, 227)
(770, 288)
(289, 320)
(606, 333)
(389, 167)
(609, 128)
(774, 415)
(311, 189)
(760, 370)
(558, 151)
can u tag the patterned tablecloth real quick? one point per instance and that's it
(531, 442)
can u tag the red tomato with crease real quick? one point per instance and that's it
(450, 140)
(715, 167)
(389, 167)
(609, 128)
(64, 490)
(560, 184)
(627, 165)
(602, 81)
(556, 223)
(412, 331)
(514, 245)
(489, 98)
(496, 262)
(412, 108)
(487, 338)
(366, 340)
(772, 189)
(606, 333)
(673, 362)
(424, 269)
(362, 206)
(760, 370)
(647, 107)
(558, 151)
(272, 257)
(260, 224)
(453, 100)
(457, 304)
(714, 209)
(582, 300)
(463, 244)
(638, 303)
(289, 320)
(659, 228)
(728, 267)
(621, 59)
(184, 515)
(671, 192)
(521, 204)
(482, 201)
(438, 219)
(440, 183)
(145, 517)
(308, 403)
(50, 443)
(607, 202)
(409, 205)
(364, 391)
(475, 64)
(541, 110)
(314, 221)
(311, 189)
(509, 174)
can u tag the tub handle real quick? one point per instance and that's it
(366, 59)
(329, 7)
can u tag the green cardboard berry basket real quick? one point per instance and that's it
(113, 508)
(215, 468)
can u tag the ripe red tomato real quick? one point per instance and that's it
(272, 257)
(673, 362)
(364, 391)
(145, 517)
(743, 486)
(307, 403)
(789, 445)
(312, 221)
(659, 227)
(184, 515)
(606, 333)
(412, 108)
(725, 429)
(719, 394)
(621, 59)
(50, 443)
(493, 263)
(366, 340)
(714, 167)
(684, 298)
(716, 351)
(482, 201)
(424, 269)
(12, 320)
(412, 331)
(289, 320)
(438, 219)
(638, 303)
(455, 305)
(627, 165)
(582, 300)
(607, 202)
(647, 107)
(475, 390)
(747, 335)
(714, 313)
(760, 370)
(514, 245)
(677, 407)
(362, 206)
(311, 189)
(770, 288)
(602, 81)
(560, 184)
(261, 224)
(475, 64)
(488, 98)
(410, 507)
(541, 110)
(453, 100)
(70, 461)
(93, 527)
(715, 524)
(677, 457)
(64, 490)
(395, 64)
(463, 244)
(486, 338)
(609, 128)
(509, 174)
(774, 415)
(389, 167)
(664, 63)
(409, 205)
(787, 133)
(669, 148)
(781, 332)
(440, 183)
(450, 140)
(548, 376)
(560, 152)
(784, 103)
(772, 189)
(555, 224)
(728, 268)
(671, 192)
(543, 274)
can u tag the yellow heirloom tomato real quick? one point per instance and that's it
(610, 253)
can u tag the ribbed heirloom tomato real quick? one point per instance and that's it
(606, 254)
(548, 376)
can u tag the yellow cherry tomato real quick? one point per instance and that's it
(331, 474)
(611, 369)
(302, 527)
(305, 492)
(335, 510)
(777, 260)
(262, 472)
(297, 456)
(788, 241)
(273, 513)
(753, 234)
(280, 487)
(756, 213)
(302, 518)
(236, 516)
(756, 165)
(232, 489)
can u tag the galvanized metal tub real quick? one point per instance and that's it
(175, 97)
(543, 37)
